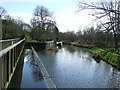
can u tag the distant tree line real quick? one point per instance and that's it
(108, 13)
(11, 28)
(90, 36)
(43, 25)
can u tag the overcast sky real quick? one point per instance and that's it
(64, 12)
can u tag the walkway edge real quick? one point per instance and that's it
(44, 72)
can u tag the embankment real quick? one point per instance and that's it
(110, 57)
(79, 44)
(104, 54)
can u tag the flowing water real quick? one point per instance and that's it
(69, 67)
(73, 67)
(27, 73)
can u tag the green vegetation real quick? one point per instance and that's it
(36, 41)
(112, 57)
(32, 41)
(43, 26)
(12, 28)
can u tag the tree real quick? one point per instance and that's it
(43, 24)
(41, 15)
(12, 28)
(110, 11)
(69, 36)
(2, 12)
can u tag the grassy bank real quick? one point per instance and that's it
(107, 55)
(79, 44)
(32, 41)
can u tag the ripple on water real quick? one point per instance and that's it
(72, 67)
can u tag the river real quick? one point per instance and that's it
(73, 67)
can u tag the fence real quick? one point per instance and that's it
(9, 58)
(6, 43)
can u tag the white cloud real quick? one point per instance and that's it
(34, 0)
(65, 21)
(24, 16)
(72, 21)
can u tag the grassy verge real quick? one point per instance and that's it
(112, 58)
(79, 44)
(34, 41)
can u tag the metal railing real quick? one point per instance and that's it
(2, 41)
(9, 58)
(6, 43)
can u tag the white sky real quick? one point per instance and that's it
(64, 12)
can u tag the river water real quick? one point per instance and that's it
(27, 73)
(73, 67)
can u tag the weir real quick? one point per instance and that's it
(38, 46)
(9, 58)
(44, 72)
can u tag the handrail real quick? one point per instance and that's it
(8, 40)
(4, 51)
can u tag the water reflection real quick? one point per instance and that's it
(15, 82)
(32, 77)
(72, 67)
(70, 49)
(36, 70)
(34, 65)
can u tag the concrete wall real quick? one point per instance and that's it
(50, 44)
(37, 46)
(40, 46)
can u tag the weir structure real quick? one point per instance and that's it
(48, 79)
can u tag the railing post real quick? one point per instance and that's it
(0, 33)
(12, 42)
(8, 60)
(9, 63)
(0, 57)
(0, 73)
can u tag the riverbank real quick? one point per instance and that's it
(80, 69)
(112, 58)
(109, 56)
(79, 44)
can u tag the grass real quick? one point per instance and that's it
(112, 57)
(34, 41)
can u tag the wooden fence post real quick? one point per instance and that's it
(0, 73)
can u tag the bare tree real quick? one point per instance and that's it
(2, 12)
(43, 23)
(107, 9)
(40, 16)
